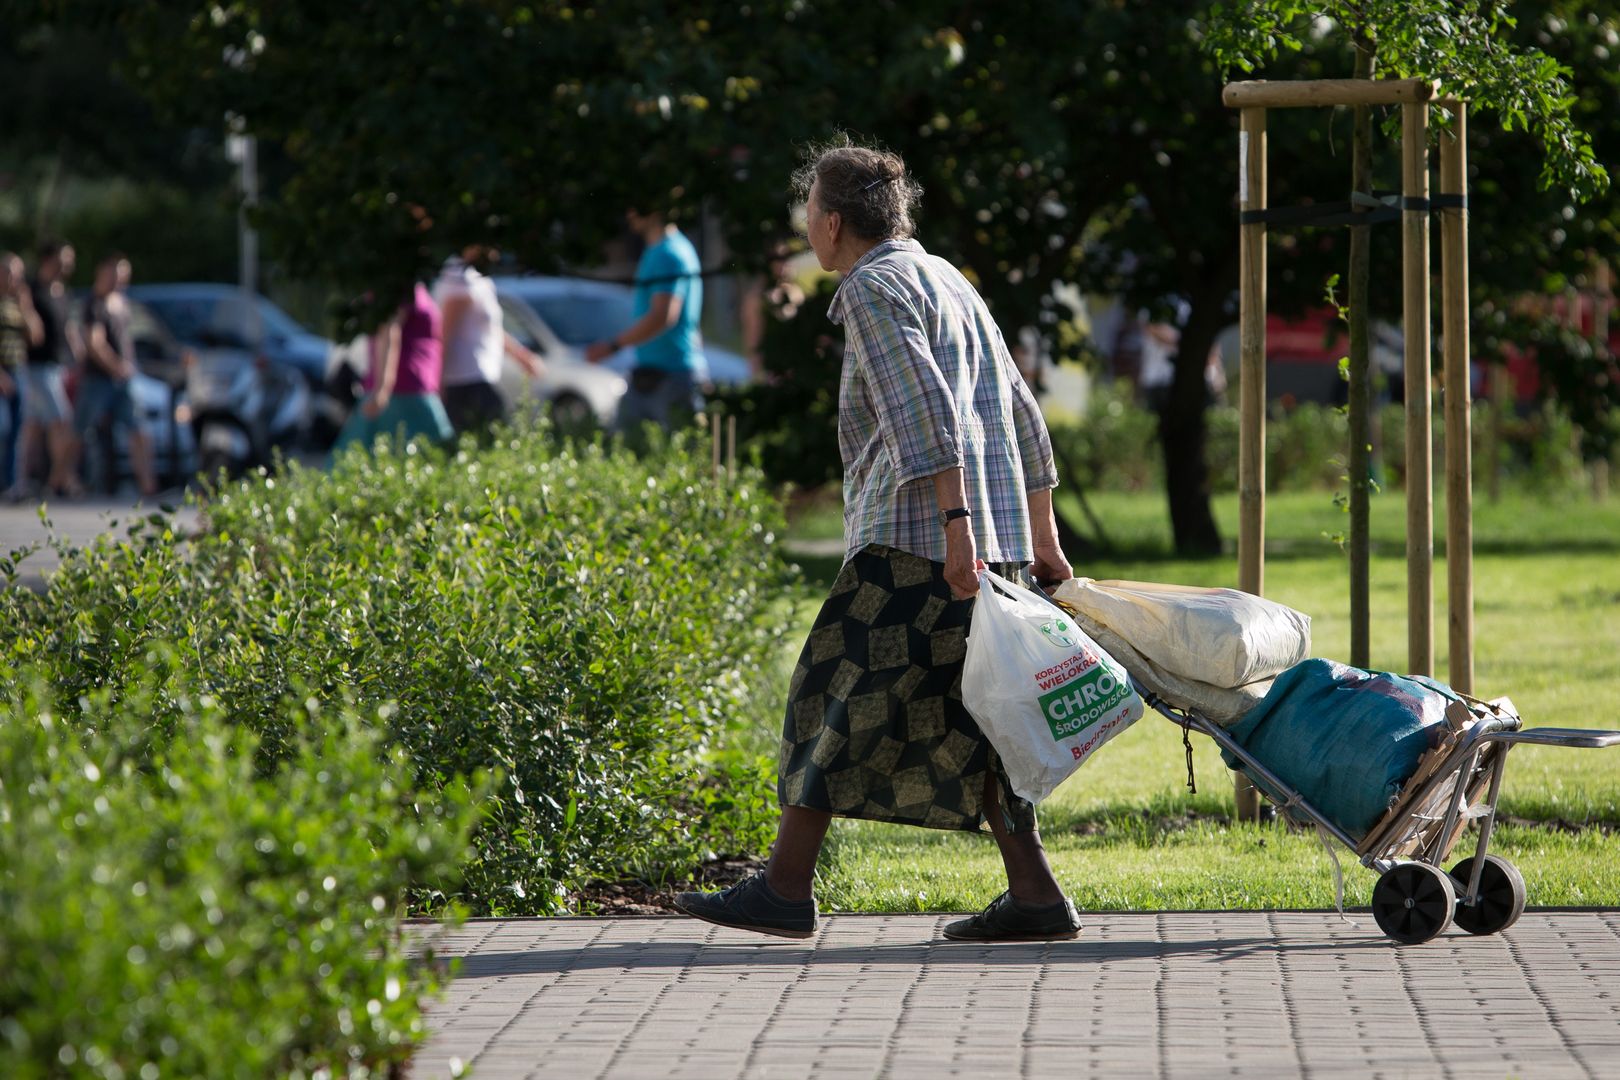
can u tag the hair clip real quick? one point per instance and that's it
(879, 180)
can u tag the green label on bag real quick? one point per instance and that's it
(1075, 706)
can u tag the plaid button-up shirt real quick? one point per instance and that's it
(928, 385)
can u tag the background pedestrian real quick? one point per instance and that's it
(106, 396)
(19, 329)
(46, 413)
(402, 383)
(476, 342)
(666, 333)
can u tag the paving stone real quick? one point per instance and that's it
(1174, 995)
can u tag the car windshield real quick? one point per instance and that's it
(191, 318)
(277, 321)
(186, 319)
(143, 327)
(580, 320)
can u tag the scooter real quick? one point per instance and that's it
(243, 407)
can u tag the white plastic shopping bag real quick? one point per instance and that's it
(1043, 693)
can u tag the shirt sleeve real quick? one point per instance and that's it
(662, 270)
(92, 315)
(450, 287)
(915, 409)
(1034, 443)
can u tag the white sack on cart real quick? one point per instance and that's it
(1222, 637)
(1043, 693)
(1224, 705)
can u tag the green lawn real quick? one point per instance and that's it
(1125, 833)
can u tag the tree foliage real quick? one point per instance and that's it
(1076, 141)
(1466, 44)
(85, 156)
(1543, 215)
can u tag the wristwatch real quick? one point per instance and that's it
(948, 516)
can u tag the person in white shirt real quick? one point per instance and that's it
(1159, 343)
(475, 343)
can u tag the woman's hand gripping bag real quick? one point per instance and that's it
(1043, 693)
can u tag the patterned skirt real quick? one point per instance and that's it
(875, 724)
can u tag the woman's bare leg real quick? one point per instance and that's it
(1029, 875)
(791, 872)
(64, 443)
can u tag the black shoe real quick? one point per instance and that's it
(751, 905)
(1007, 919)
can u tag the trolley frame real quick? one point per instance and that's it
(1478, 757)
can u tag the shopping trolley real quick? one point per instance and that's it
(1457, 781)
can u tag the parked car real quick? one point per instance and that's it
(209, 314)
(578, 311)
(577, 389)
(243, 409)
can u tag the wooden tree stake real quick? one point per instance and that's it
(1252, 390)
(1419, 429)
(1305, 93)
(1459, 452)
(1252, 371)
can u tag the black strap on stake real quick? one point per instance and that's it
(1381, 207)
(1319, 215)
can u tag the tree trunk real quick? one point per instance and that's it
(1360, 456)
(1183, 431)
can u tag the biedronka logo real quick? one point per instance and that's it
(1057, 632)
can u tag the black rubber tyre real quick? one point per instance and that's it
(214, 463)
(572, 415)
(1413, 902)
(1501, 895)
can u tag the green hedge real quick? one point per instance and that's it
(170, 909)
(585, 622)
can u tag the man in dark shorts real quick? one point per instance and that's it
(105, 394)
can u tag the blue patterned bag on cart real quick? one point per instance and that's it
(1346, 739)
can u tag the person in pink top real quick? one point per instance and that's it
(402, 385)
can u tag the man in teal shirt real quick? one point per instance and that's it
(666, 335)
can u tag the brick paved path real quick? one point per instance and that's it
(1179, 995)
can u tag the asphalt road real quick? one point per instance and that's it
(77, 523)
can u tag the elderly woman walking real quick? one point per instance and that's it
(947, 468)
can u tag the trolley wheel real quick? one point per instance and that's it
(1412, 902)
(1501, 895)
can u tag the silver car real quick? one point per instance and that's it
(578, 311)
(576, 388)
